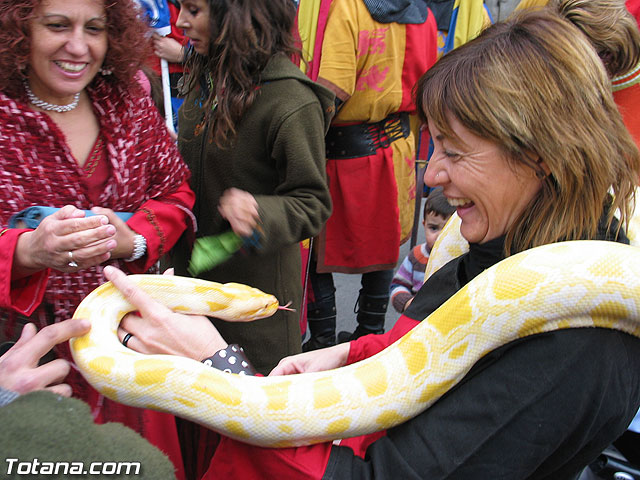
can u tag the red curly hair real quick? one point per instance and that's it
(129, 44)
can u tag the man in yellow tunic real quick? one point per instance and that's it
(372, 54)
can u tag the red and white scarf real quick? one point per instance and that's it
(39, 169)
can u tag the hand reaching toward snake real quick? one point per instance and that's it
(19, 369)
(314, 361)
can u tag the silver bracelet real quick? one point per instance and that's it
(139, 248)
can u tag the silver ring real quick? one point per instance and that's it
(126, 339)
(72, 263)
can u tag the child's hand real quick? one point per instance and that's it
(406, 305)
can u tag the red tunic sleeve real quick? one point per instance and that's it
(233, 459)
(369, 345)
(25, 294)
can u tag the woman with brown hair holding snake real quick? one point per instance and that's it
(510, 155)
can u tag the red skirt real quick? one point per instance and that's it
(363, 232)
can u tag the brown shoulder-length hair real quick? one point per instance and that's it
(534, 85)
(609, 26)
(127, 35)
(245, 35)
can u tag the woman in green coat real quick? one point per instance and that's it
(252, 130)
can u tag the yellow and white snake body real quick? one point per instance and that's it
(563, 285)
(451, 244)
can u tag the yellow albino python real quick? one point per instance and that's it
(564, 285)
(451, 244)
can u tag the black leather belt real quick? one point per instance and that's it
(362, 139)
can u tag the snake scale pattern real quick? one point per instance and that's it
(562, 285)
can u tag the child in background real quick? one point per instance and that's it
(410, 276)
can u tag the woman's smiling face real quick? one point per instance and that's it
(68, 45)
(489, 192)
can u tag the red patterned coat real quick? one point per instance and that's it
(147, 176)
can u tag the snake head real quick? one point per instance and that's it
(251, 304)
(264, 307)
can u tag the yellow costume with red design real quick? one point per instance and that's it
(372, 67)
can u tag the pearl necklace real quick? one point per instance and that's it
(33, 100)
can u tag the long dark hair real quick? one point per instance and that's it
(245, 34)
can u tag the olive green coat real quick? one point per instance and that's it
(279, 157)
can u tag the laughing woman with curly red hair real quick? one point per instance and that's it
(78, 133)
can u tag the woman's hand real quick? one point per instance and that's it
(314, 361)
(240, 209)
(168, 48)
(124, 235)
(19, 370)
(89, 239)
(158, 329)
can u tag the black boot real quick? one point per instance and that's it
(321, 317)
(316, 343)
(321, 310)
(371, 310)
